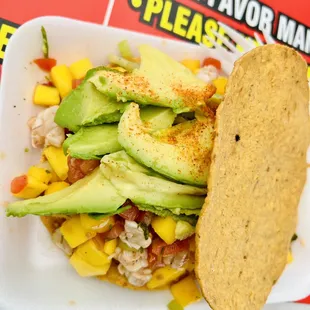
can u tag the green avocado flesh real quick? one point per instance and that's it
(85, 106)
(106, 189)
(93, 142)
(160, 81)
(181, 152)
(92, 194)
(144, 186)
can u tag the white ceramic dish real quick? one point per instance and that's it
(33, 273)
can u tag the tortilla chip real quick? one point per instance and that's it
(258, 172)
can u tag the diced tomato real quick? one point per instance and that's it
(115, 231)
(88, 166)
(76, 83)
(130, 214)
(45, 64)
(151, 257)
(176, 247)
(79, 168)
(213, 62)
(18, 184)
(145, 217)
(157, 246)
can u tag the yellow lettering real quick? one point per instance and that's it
(152, 7)
(309, 72)
(195, 28)
(164, 22)
(136, 3)
(181, 20)
(210, 25)
(4, 31)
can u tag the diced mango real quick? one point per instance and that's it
(62, 79)
(165, 228)
(173, 305)
(74, 233)
(58, 161)
(46, 95)
(40, 174)
(56, 187)
(163, 276)
(79, 68)
(33, 188)
(101, 225)
(220, 84)
(290, 257)
(192, 64)
(54, 176)
(92, 252)
(110, 246)
(192, 244)
(85, 269)
(186, 291)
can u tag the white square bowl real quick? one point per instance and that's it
(33, 273)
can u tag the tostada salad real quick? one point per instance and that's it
(126, 149)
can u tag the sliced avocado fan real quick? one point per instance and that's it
(107, 188)
(160, 81)
(95, 141)
(85, 106)
(144, 186)
(182, 152)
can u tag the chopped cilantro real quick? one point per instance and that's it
(145, 230)
(26, 150)
(45, 43)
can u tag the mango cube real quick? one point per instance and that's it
(85, 269)
(33, 188)
(192, 64)
(54, 177)
(92, 252)
(79, 68)
(164, 276)
(101, 225)
(62, 79)
(56, 187)
(74, 233)
(220, 84)
(110, 246)
(185, 291)
(165, 228)
(58, 161)
(46, 95)
(40, 174)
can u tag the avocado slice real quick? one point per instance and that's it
(157, 118)
(182, 152)
(92, 194)
(160, 81)
(144, 186)
(93, 142)
(96, 141)
(85, 106)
